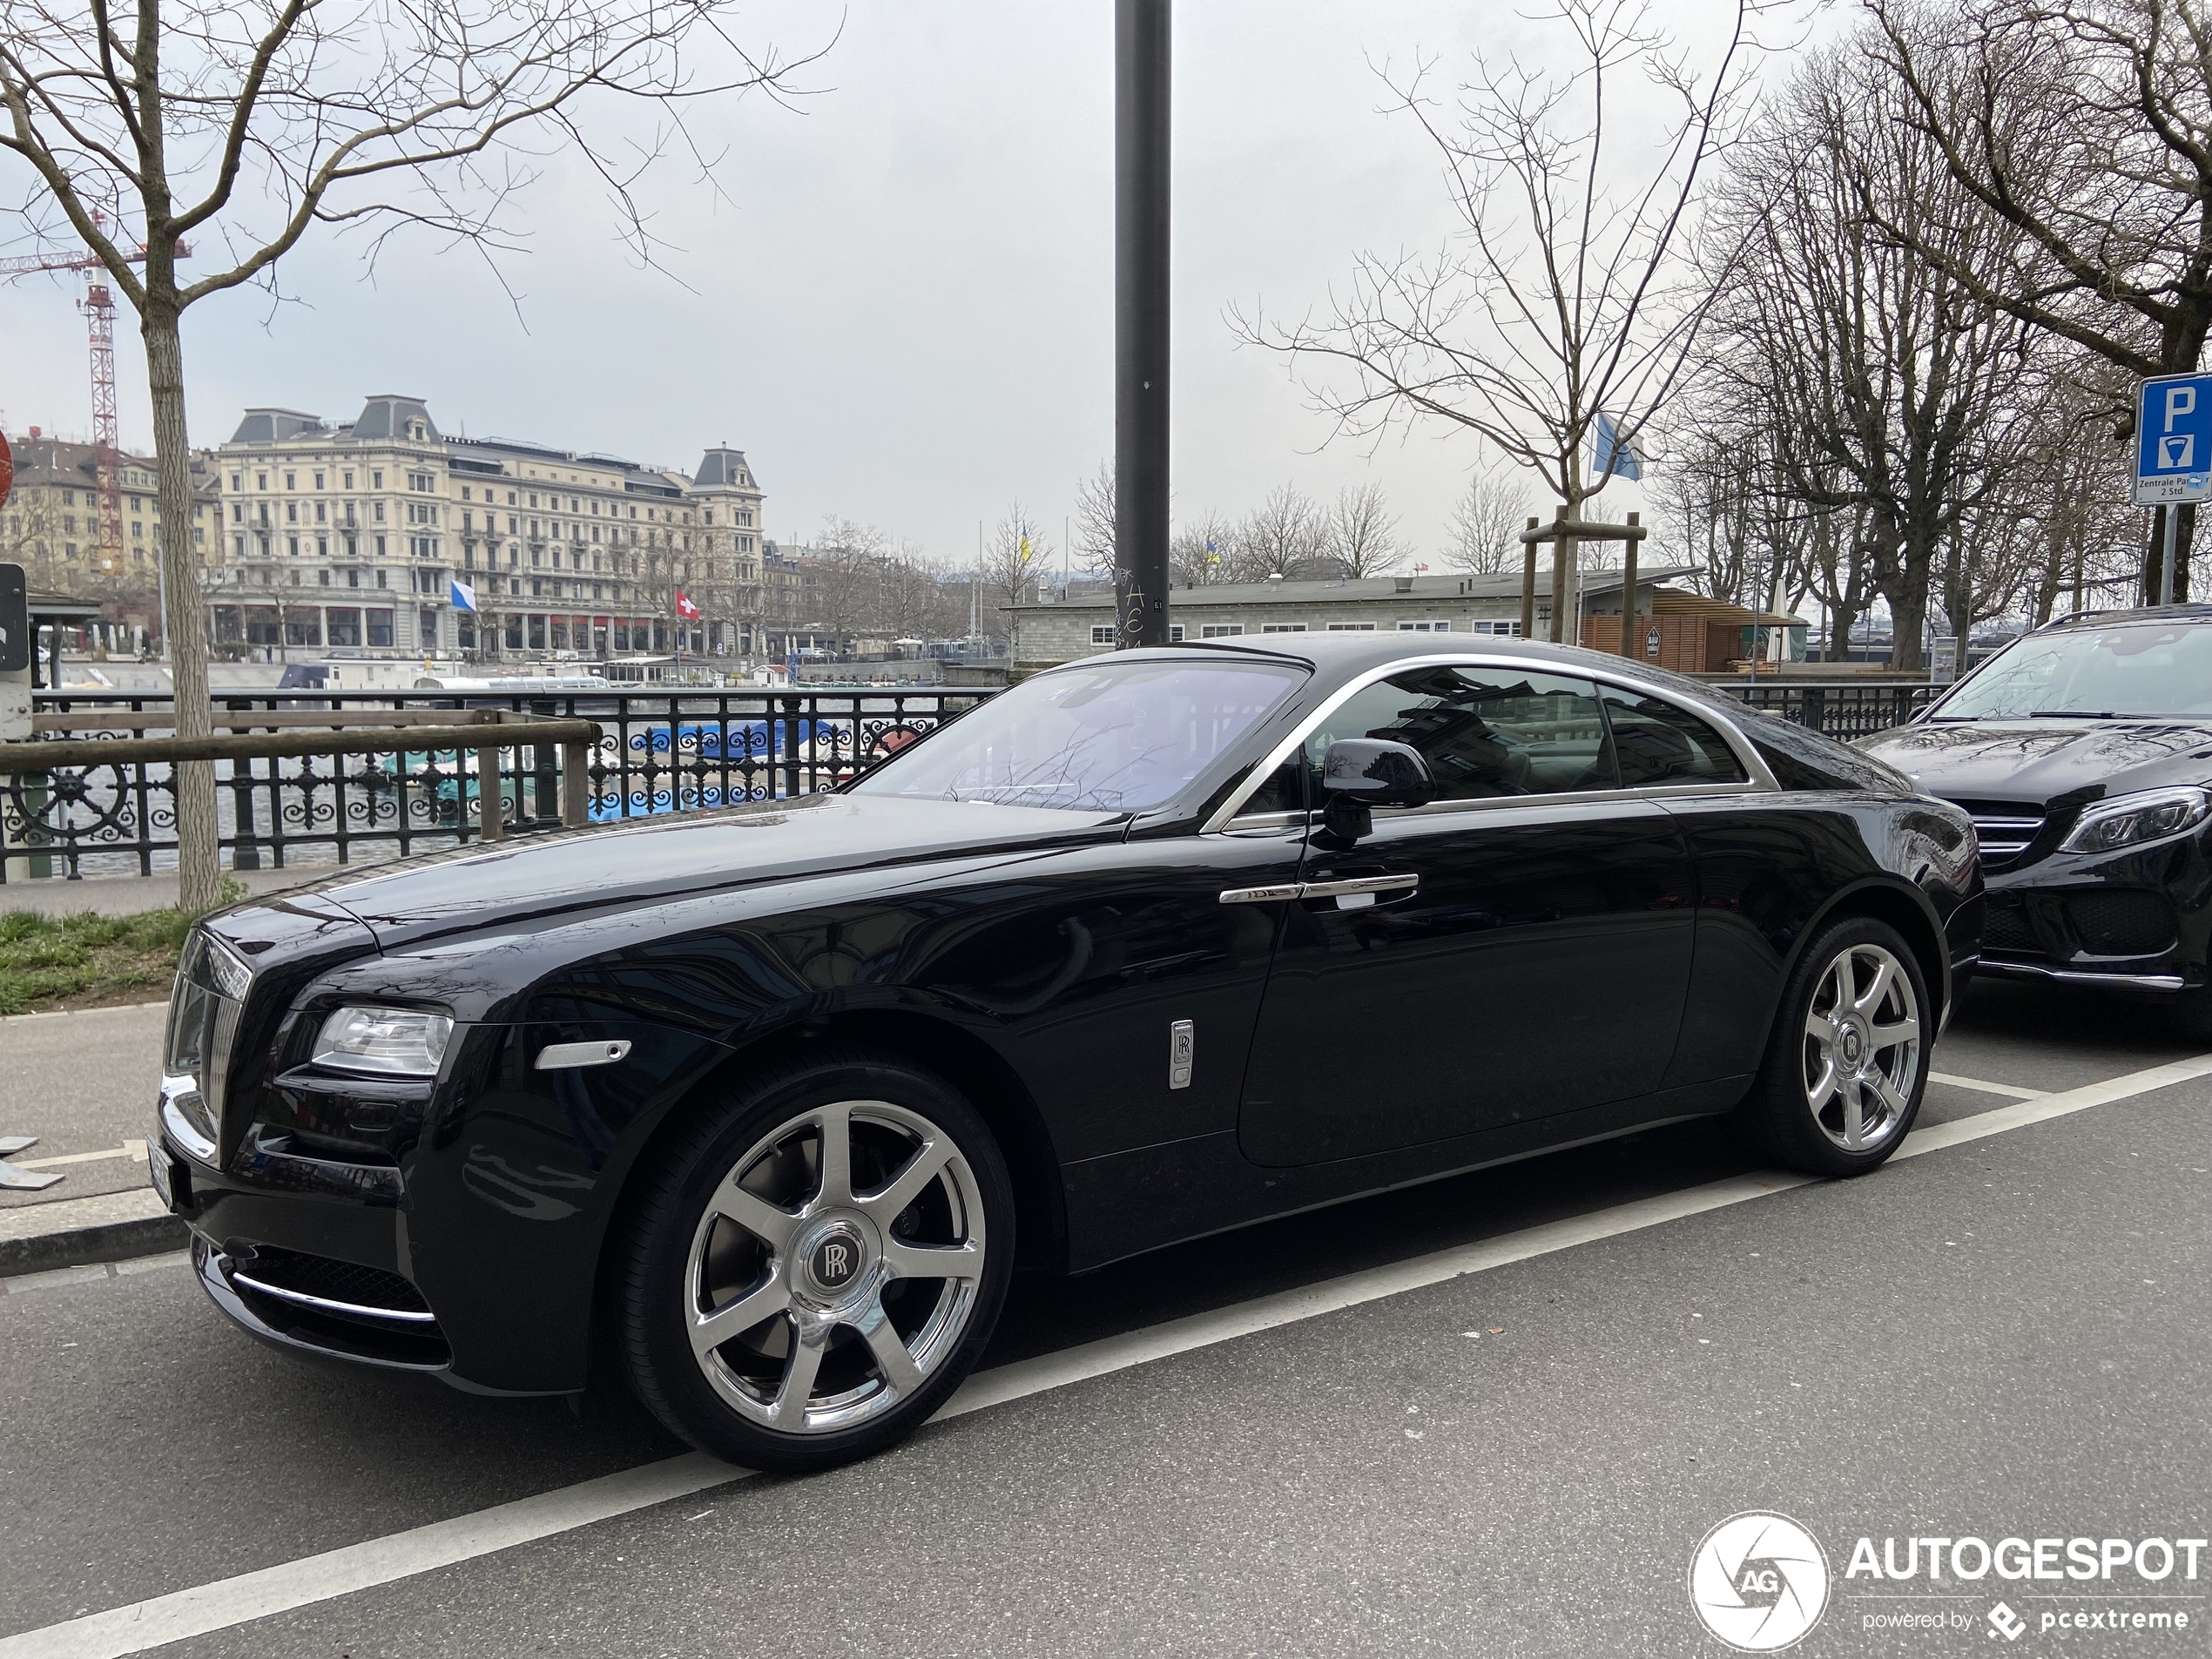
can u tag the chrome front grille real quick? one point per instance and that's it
(2005, 837)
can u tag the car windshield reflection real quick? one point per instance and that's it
(1100, 736)
(2130, 671)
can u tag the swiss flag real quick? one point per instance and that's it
(684, 608)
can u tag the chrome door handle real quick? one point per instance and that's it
(1359, 884)
(1321, 889)
(1260, 895)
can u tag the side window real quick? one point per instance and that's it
(1486, 733)
(1658, 743)
(1283, 791)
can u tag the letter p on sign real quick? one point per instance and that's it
(2179, 400)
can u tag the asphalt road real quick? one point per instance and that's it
(2003, 1337)
(83, 1084)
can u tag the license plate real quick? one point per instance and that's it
(161, 1168)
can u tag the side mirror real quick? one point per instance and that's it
(1361, 773)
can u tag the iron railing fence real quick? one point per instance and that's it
(1844, 712)
(664, 751)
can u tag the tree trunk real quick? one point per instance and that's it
(199, 877)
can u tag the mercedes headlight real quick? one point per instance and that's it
(2130, 820)
(391, 1043)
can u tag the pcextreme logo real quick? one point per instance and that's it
(1759, 1581)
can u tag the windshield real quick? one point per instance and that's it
(1101, 736)
(2133, 669)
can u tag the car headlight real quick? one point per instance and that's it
(2129, 820)
(392, 1043)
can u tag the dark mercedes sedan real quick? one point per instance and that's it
(2084, 752)
(760, 1108)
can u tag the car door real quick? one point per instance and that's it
(1515, 951)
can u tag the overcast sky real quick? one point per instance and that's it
(902, 309)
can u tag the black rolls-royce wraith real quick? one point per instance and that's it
(763, 1106)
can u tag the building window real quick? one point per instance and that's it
(421, 481)
(348, 476)
(1102, 633)
(237, 481)
(376, 511)
(292, 481)
(1220, 629)
(319, 481)
(375, 479)
(1509, 629)
(1424, 627)
(1282, 627)
(1352, 627)
(379, 624)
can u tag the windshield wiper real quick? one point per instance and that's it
(2075, 714)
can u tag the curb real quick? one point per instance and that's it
(70, 1232)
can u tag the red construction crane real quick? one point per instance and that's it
(98, 307)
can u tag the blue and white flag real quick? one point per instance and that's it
(464, 595)
(1615, 456)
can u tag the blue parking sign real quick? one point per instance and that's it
(2174, 440)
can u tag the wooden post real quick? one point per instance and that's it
(1529, 585)
(491, 813)
(576, 784)
(1628, 629)
(1562, 555)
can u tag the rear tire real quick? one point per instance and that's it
(1848, 1060)
(815, 1265)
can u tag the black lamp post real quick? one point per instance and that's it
(1141, 86)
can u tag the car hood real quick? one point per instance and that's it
(686, 854)
(2039, 760)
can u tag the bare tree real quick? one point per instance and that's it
(1565, 292)
(1283, 531)
(848, 560)
(1203, 553)
(242, 126)
(1095, 520)
(2086, 125)
(1359, 533)
(1487, 523)
(1018, 554)
(1861, 375)
(912, 600)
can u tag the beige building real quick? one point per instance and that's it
(358, 538)
(51, 526)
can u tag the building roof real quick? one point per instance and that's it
(274, 426)
(1364, 590)
(386, 415)
(722, 468)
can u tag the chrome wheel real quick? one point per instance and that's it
(835, 1267)
(1862, 1048)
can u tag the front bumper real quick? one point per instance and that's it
(2138, 920)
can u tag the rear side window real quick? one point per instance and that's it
(1486, 733)
(1657, 743)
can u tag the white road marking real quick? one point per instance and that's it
(226, 1603)
(1986, 1088)
(128, 1150)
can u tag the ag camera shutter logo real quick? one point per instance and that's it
(1759, 1581)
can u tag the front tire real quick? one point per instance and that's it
(815, 1265)
(1848, 1060)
